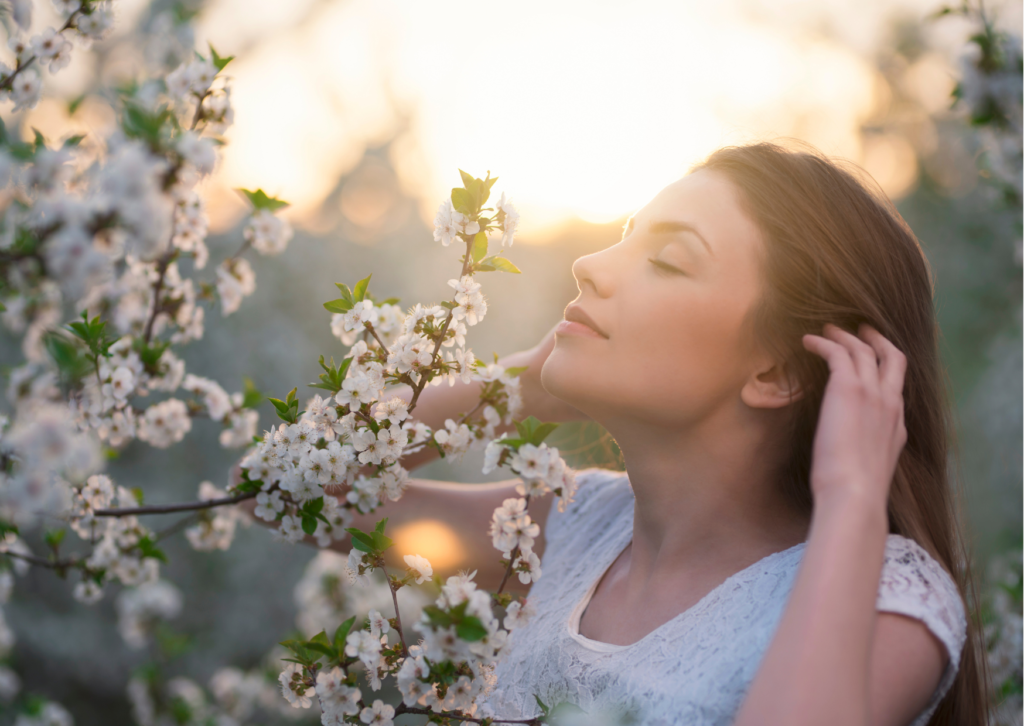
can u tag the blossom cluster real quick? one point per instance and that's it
(85, 21)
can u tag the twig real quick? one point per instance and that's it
(183, 507)
(162, 266)
(511, 560)
(373, 332)
(199, 110)
(402, 708)
(398, 615)
(9, 81)
(41, 562)
(418, 388)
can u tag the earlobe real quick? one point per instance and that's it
(773, 387)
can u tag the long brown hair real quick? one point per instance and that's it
(837, 251)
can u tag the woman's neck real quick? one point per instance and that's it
(707, 494)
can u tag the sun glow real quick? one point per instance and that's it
(584, 115)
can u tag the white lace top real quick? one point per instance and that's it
(696, 668)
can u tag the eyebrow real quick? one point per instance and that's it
(671, 227)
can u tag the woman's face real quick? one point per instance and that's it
(668, 304)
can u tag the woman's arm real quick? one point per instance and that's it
(833, 657)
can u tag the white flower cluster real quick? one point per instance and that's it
(117, 541)
(268, 233)
(1004, 637)
(49, 713)
(992, 92)
(235, 697)
(216, 527)
(84, 22)
(324, 597)
(474, 660)
(140, 609)
(239, 422)
(50, 452)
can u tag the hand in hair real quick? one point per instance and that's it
(861, 430)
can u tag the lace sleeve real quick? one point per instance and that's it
(591, 485)
(916, 585)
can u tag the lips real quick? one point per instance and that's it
(575, 314)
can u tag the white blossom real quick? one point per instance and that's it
(293, 688)
(268, 233)
(419, 567)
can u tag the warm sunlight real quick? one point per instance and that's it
(633, 103)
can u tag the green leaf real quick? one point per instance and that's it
(501, 264)
(471, 629)
(147, 548)
(361, 540)
(359, 291)
(345, 292)
(379, 528)
(218, 61)
(542, 433)
(308, 524)
(468, 180)
(479, 246)
(54, 537)
(341, 305)
(251, 397)
(260, 200)
(74, 103)
(73, 141)
(391, 301)
(516, 370)
(543, 706)
(342, 633)
(39, 140)
(462, 200)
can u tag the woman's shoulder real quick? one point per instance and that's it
(915, 584)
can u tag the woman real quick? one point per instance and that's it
(783, 546)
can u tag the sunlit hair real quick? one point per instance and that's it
(837, 251)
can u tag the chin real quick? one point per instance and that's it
(564, 376)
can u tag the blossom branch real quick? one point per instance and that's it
(398, 614)
(402, 708)
(182, 507)
(418, 388)
(8, 82)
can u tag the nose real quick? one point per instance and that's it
(597, 271)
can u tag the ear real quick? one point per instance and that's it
(771, 386)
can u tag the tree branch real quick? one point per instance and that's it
(183, 507)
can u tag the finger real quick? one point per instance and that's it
(864, 359)
(893, 367)
(835, 354)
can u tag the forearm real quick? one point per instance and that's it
(816, 668)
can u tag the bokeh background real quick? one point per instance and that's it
(361, 112)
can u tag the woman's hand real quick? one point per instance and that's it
(537, 401)
(861, 430)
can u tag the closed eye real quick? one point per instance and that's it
(665, 267)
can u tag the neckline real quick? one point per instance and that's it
(576, 614)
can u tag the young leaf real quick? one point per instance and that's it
(260, 200)
(359, 291)
(308, 524)
(341, 305)
(218, 61)
(345, 292)
(463, 201)
(342, 633)
(479, 246)
(471, 629)
(251, 397)
(501, 264)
